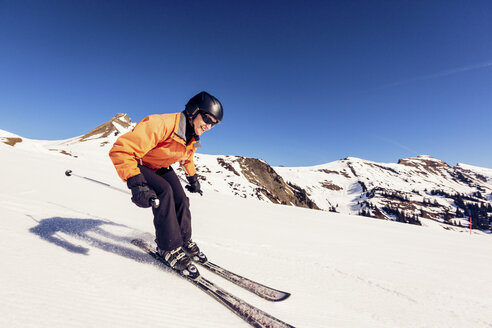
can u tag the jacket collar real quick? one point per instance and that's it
(181, 130)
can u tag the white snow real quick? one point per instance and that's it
(67, 262)
(481, 170)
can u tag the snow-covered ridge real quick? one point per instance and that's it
(414, 190)
(94, 144)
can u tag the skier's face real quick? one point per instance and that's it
(203, 122)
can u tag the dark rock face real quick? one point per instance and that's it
(271, 185)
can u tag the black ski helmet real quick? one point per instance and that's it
(207, 103)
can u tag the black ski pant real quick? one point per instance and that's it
(172, 219)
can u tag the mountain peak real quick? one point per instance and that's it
(353, 159)
(424, 161)
(119, 123)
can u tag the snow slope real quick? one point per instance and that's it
(67, 261)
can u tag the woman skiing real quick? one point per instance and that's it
(143, 158)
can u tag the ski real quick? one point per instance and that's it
(263, 291)
(252, 315)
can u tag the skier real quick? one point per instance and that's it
(143, 158)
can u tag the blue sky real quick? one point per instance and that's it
(302, 82)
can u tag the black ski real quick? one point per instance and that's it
(263, 291)
(254, 316)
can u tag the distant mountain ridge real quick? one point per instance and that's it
(411, 190)
(414, 190)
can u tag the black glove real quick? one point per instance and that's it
(142, 195)
(194, 185)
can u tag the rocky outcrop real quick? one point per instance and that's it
(11, 141)
(112, 127)
(272, 185)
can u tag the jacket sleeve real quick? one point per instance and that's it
(133, 145)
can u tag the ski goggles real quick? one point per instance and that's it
(207, 119)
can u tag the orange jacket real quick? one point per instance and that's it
(156, 141)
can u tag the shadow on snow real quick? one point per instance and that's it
(89, 231)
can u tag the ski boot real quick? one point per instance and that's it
(193, 251)
(179, 261)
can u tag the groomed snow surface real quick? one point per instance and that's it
(67, 262)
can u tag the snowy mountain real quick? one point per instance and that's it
(414, 190)
(409, 191)
(95, 143)
(67, 260)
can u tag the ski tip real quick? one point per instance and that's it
(283, 297)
